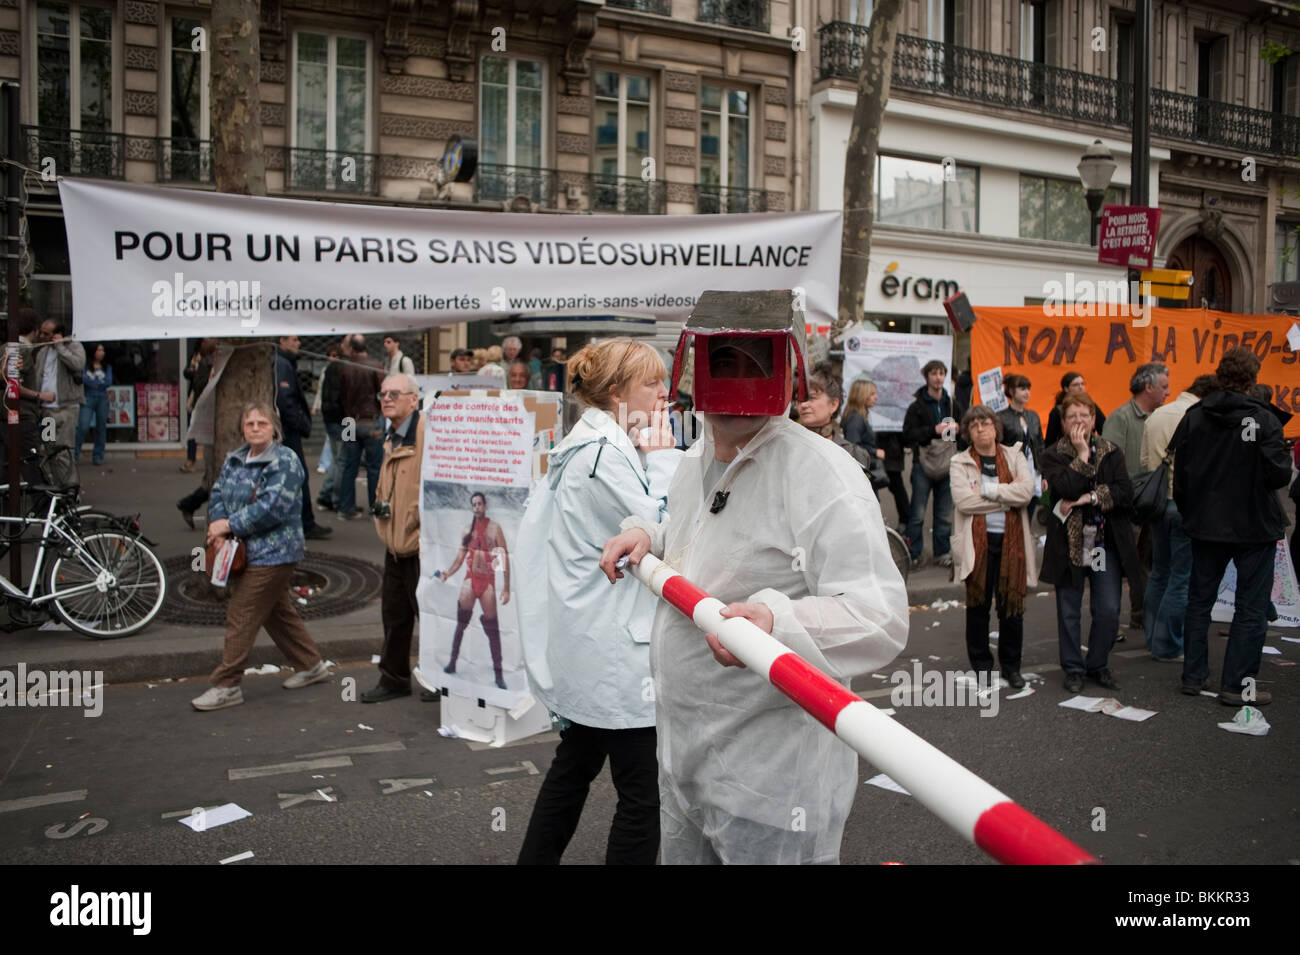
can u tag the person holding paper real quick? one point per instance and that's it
(588, 650)
(257, 498)
(992, 543)
(1090, 538)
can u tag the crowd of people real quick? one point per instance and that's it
(632, 682)
(1081, 482)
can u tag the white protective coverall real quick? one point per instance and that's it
(746, 775)
(587, 644)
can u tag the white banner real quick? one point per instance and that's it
(152, 262)
(474, 480)
(893, 361)
(1285, 594)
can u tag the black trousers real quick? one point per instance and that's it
(293, 441)
(398, 610)
(899, 490)
(1137, 588)
(1011, 630)
(634, 833)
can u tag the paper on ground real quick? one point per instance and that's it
(1108, 705)
(263, 670)
(246, 854)
(1292, 639)
(1248, 721)
(1027, 691)
(1272, 650)
(216, 817)
(884, 782)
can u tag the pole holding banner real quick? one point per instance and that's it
(976, 810)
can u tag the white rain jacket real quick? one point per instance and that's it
(587, 644)
(801, 532)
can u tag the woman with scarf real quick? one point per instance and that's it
(1089, 538)
(820, 409)
(992, 544)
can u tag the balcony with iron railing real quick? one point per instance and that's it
(662, 7)
(744, 14)
(76, 152)
(180, 159)
(326, 170)
(713, 199)
(928, 66)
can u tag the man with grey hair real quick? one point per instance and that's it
(510, 349)
(397, 522)
(1149, 387)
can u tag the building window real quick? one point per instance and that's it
(623, 141)
(1057, 210)
(915, 192)
(1287, 246)
(724, 137)
(74, 67)
(512, 119)
(186, 157)
(331, 121)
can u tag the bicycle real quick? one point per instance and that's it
(899, 551)
(105, 583)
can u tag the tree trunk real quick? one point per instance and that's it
(239, 166)
(860, 161)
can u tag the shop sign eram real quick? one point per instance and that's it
(922, 288)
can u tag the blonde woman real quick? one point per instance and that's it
(587, 647)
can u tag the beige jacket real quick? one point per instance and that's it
(1161, 425)
(399, 484)
(965, 480)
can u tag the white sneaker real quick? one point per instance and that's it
(218, 698)
(321, 671)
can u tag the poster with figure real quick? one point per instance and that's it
(121, 406)
(894, 362)
(475, 479)
(1285, 593)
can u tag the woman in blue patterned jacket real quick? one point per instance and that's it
(258, 499)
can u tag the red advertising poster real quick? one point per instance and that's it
(157, 412)
(1128, 236)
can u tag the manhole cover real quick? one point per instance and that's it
(338, 585)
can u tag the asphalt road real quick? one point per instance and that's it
(377, 784)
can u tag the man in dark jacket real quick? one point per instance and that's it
(295, 422)
(363, 428)
(1225, 492)
(931, 417)
(331, 411)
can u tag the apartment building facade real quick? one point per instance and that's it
(1011, 93)
(576, 107)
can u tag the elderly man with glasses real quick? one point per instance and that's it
(397, 522)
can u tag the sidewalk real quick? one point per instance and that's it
(151, 486)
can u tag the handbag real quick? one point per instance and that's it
(877, 475)
(240, 560)
(935, 457)
(1151, 491)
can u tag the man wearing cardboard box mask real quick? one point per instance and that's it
(782, 524)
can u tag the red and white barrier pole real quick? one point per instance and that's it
(965, 802)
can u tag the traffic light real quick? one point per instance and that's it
(1167, 283)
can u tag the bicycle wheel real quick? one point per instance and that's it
(899, 551)
(117, 609)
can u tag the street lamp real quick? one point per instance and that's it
(1095, 169)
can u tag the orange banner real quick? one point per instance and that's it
(1105, 345)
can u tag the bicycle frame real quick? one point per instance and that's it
(50, 523)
